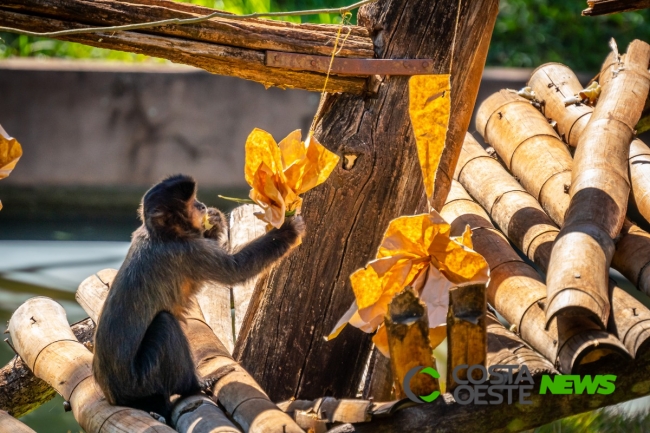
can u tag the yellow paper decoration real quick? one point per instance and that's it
(415, 251)
(429, 108)
(279, 173)
(10, 153)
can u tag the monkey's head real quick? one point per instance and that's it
(170, 210)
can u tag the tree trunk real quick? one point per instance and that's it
(346, 217)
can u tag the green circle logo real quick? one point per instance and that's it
(407, 381)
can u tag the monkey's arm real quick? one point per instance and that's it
(253, 259)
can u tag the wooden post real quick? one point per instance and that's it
(466, 331)
(41, 334)
(9, 424)
(347, 215)
(407, 329)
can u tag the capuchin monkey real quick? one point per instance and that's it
(142, 356)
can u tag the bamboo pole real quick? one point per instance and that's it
(518, 293)
(603, 7)
(21, 391)
(9, 424)
(233, 388)
(506, 348)
(599, 188)
(552, 83)
(521, 135)
(214, 300)
(632, 253)
(407, 328)
(199, 414)
(42, 337)
(524, 222)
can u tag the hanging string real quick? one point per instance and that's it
(345, 22)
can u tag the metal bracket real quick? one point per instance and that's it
(349, 66)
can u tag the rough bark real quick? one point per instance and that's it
(602, 7)
(346, 217)
(218, 59)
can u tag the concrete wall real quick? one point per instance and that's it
(89, 124)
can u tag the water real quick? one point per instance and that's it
(53, 269)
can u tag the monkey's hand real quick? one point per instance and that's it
(216, 224)
(293, 230)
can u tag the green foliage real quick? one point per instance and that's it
(529, 33)
(603, 420)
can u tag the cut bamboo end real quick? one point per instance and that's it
(553, 83)
(94, 292)
(9, 424)
(630, 320)
(585, 348)
(639, 164)
(572, 302)
(520, 133)
(199, 414)
(407, 328)
(466, 330)
(632, 256)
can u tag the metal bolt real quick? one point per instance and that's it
(313, 62)
(425, 64)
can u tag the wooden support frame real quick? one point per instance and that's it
(347, 215)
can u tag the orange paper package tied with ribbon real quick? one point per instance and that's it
(417, 250)
(279, 172)
(10, 153)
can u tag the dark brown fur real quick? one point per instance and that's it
(141, 354)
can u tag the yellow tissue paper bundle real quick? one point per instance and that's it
(279, 173)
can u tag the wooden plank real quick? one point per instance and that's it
(218, 59)
(244, 227)
(347, 215)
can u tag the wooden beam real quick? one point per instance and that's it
(603, 7)
(254, 34)
(346, 217)
(206, 45)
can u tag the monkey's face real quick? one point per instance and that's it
(197, 212)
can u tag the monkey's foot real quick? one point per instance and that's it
(158, 418)
(207, 384)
